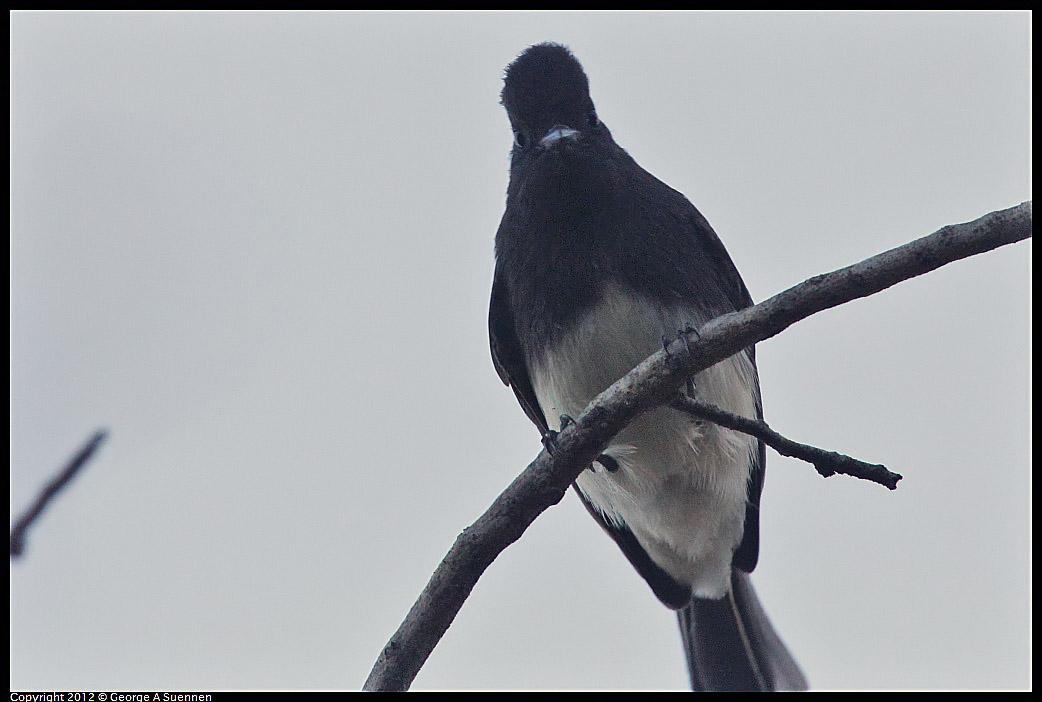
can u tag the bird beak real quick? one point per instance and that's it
(556, 133)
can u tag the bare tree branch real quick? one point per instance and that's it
(654, 382)
(51, 490)
(827, 463)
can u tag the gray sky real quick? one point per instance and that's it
(258, 248)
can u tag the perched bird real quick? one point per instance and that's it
(596, 261)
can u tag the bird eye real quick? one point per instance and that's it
(592, 119)
(520, 139)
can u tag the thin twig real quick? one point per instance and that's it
(827, 463)
(655, 382)
(50, 491)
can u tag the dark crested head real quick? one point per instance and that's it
(546, 87)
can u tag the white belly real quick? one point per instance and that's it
(681, 485)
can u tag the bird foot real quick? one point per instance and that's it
(550, 437)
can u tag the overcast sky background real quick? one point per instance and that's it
(258, 249)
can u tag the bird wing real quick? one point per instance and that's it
(507, 354)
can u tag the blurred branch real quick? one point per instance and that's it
(51, 490)
(655, 382)
(827, 463)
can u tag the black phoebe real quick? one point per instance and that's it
(596, 262)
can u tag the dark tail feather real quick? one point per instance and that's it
(731, 645)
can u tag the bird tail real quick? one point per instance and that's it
(731, 645)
